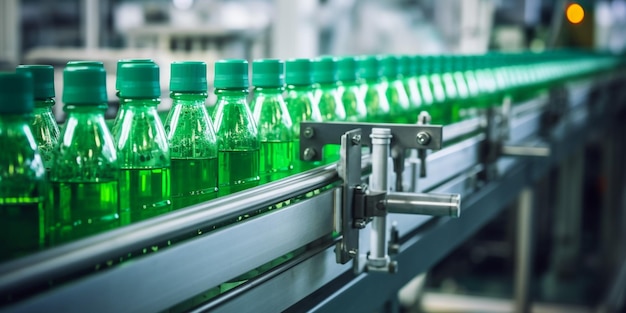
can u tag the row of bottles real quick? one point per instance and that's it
(59, 186)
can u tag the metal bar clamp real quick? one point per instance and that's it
(363, 204)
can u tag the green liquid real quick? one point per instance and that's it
(331, 153)
(82, 209)
(193, 181)
(145, 194)
(276, 157)
(239, 170)
(21, 226)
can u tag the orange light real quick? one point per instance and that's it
(575, 13)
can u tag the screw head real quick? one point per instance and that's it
(359, 224)
(308, 132)
(393, 267)
(423, 118)
(356, 140)
(423, 138)
(309, 154)
(381, 205)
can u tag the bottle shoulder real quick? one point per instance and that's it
(141, 140)
(20, 157)
(86, 151)
(235, 127)
(190, 132)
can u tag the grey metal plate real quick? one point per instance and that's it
(186, 269)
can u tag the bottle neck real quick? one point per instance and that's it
(90, 108)
(188, 97)
(327, 86)
(349, 83)
(300, 88)
(269, 90)
(16, 119)
(371, 80)
(44, 103)
(147, 102)
(232, 93)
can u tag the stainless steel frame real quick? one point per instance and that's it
(314, 281)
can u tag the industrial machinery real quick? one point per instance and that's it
(342, 237)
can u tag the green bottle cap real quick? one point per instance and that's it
(188, 76)
(16, 93)
(84, 82)
(268, 73)
(231, 73)
(43, 79)
(437, 63)
(369, 67)
(406, 66)
(139, 80)
(447, 63)
(298, 72)
(428, 64)
(389, 66)
(126, 61)
(346, 69)
(324, 70)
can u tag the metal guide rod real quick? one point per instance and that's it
(456, 130)
(350, 171)
(425, 204)
(381, 140)
(66, 259)
(530, 151)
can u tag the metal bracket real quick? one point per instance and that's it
(368, 204)
(350, 171)
(314, 136)
(360, 204)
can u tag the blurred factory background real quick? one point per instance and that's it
(54, 32)
(477, 276)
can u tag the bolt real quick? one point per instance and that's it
(309, 154)
(380, 205)
(353, 253)
(423, 118)
(360, 224)
(393, 267)
(356, 140)
(423, 138)
(308, 132)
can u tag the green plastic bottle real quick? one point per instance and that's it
(143, 152)
(374, 89)
(44, 126)
(237, 135)
(408, 72)
(118, 82)
(191, 137)
(328, 99)
(463, 101)
(22, 172)
(272, 118)
(85, 171)
(466, 65)
(325, 80)
(300, 100)
(423, 84)
(350, 90)
(439, 111)
(397, 97)
(451, 106)
(486, 83)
